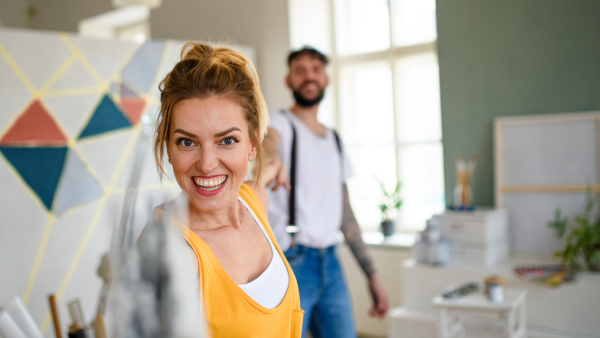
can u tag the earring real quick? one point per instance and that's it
(250, 157)
(169, 160)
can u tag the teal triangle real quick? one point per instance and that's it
(77, 185)
(107, 117)
(40, 168)
(140, 72)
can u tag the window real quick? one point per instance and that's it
(384, 98)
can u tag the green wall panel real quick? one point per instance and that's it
(511, 57)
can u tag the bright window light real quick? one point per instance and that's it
(414, 21)
(384, 97)
(361, 26)
(418, 98)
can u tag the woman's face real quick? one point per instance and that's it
(209, 145)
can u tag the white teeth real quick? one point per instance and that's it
(210, 184)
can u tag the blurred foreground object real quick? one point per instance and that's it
(78, 328)
(16, 322)
(55, 316)
(150, 282)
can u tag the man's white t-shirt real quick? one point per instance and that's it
(319, 184)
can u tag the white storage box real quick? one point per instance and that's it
(479, 254)
(483, 225)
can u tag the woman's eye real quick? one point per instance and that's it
(229, 141)
(186, 143)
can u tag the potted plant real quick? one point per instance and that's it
(582, 247)
(389, 206)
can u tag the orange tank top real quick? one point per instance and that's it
(229, 310)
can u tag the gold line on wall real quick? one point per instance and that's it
(548, 188)
(11, 62)
(38, 257)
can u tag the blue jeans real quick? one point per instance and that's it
(323, 293)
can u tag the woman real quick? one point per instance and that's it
(211, 124)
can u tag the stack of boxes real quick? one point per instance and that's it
(478, 238)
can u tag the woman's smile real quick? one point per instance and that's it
(209, 186)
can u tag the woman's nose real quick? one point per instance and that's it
(207, 160)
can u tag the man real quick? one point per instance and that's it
(315, 179)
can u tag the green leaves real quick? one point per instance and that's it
(582, 246)
(391, 200)
(559, 224)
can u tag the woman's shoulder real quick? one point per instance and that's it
(253, 188)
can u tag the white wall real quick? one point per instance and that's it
(387, 261)
(262, 24)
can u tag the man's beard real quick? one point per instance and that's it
(304, 102)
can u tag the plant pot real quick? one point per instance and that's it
(388, 228)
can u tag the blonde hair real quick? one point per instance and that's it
(203, 72)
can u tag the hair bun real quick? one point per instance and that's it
(222, 55)
(195, 51)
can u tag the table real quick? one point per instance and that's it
(475, 307)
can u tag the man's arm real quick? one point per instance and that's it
(273, 168)
(353, 237)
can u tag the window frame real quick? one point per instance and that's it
(390, 55)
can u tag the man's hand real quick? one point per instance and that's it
(275, 171)
(380, 298)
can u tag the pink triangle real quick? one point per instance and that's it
(133, 109)
(34, 127)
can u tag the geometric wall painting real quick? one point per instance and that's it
(52, 190)
(72, 111)
(127, 92)
(34, 127)
(133, 108)
(65, 237)
(75, 77)
(107, 117)
(38, 54)
(114, 89)
(106, 56)
(172, 56)
(40, 168)
(103, 153)
(141, 70)
(77, 185)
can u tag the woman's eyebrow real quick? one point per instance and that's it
(225, 132)
(186, 133)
